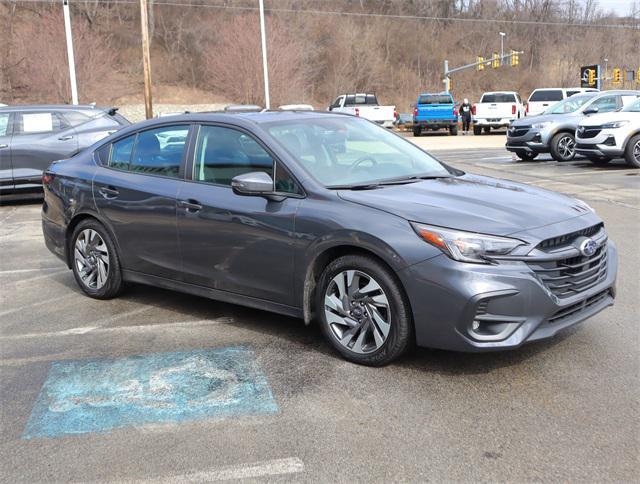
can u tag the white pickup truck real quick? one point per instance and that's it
(366, 106)
(496, 110)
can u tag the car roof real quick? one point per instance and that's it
(441, 93)
(52, 107)
(499, 92)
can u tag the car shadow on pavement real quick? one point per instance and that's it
(310, 337)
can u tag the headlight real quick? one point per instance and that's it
(466, 246)
(614, 125)
(542, 125)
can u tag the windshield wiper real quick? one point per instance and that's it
(384, 183)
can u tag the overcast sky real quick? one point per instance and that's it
(621, 7)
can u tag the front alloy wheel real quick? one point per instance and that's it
(563, 147)
(357, 311)
(363, 310)
(632, 152)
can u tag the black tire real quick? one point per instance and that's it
(417, 131)
(453, 130)
(558, 150)
(401, 334)
(599, 161)
(113, 284)
(525, 156)
(477, 130)
(631, 155)
(487, 129)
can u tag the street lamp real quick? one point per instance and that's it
(502, 36)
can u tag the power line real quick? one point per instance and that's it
(357, 14)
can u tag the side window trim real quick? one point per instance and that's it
(191, 164)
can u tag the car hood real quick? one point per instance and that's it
(541, 118)
(472, 203)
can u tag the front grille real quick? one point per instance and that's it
(567, 277)
(590, 132)
(578, 307)
(566, 239)
(519, 131)
(582, 146)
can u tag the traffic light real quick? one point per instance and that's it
(592, 77)
(515, 58)
(481, 63)
(495, 63)
(638, 76)
(617, 75)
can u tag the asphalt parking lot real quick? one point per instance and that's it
(562, 410)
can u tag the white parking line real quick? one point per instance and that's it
(274, 467)
(117, 329)
(21, 271)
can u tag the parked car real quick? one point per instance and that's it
(435, 111)
(554, 131)
(543, 98)
(496, 110)
(605, 136)
(317, 215)
(365, 106)
(31, 137)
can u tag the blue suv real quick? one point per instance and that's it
(435, 111)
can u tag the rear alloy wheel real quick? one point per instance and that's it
(632, 152)
(563, 147)
(95, 264)
(363, 311)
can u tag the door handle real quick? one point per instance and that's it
(190, 205)
(108, 192)
(3, 146)
(65, 138)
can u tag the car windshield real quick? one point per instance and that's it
(346, 152)
(633, 107)
(569, 105)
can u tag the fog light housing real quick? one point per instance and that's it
(537, 138)
(610, 141)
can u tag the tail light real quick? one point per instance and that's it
(473, 109)
(455, 111)
(357, 111)
(527, 109)
(395, 114)
(513, 109)
(415, 112)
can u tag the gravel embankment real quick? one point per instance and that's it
(135, 112)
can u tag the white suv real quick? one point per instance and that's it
(543, 98)
(602, 137)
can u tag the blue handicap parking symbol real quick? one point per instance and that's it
(99, 395)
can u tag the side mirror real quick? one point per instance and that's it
(256, 183)
(591, 110)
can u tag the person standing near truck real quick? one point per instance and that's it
(465, 114)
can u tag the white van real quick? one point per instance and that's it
(541, 99)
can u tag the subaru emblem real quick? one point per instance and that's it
(588, 247)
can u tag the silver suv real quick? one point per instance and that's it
(554, 130)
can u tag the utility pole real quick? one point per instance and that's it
(146, 58)
(70, 56)
(265, 69)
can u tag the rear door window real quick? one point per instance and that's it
(548, 95)
(160, 151)
(4, 124)
(40, 123)
(605, 104)
(75, 118)
(121, 150)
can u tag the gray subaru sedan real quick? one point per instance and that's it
(329, 218)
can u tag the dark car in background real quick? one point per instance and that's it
(328, 217)
(31, 137)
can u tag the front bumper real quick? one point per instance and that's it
(529, 140)
(508, 298)
(605, 145)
